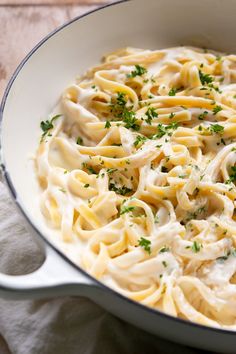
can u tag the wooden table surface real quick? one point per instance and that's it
(22, 24)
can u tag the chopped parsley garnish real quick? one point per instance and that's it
(151, 114)
(196, 213)
(62, 190)
(232, 176)
(172, 92)
(164, 169)
(126, 209)
(196, 247)
(130, 120)
(139, 71)
(121, 111)
(203, 115)
(79, 141)
(47, 125)
(121, 101)
(171, 115)
(119, 190)
(231, 252)
(108, 124)
(216, 128)
(164, 264)
(212, 129)
(146, 244)
(111, 170)
(164, 249)
(86, 185)
(89, 168)
(217, 109)
(139, 140)
(205, 78)
(165, 129)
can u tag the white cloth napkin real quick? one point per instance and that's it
(65, 325)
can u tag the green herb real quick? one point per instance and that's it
(89, 168)
(232, 176)
(86, 185)
(164, 169)
(62, 190)
(119, 190)
(130, 120)
(139, 71)
(222, 141)
(203, 115)
(111, 170)
(121, 101)
(172, 92)
(164, 249)
(65, 172)
(164, 264)
(217, 109)
(196, 247)
(172, 115)
(231, 252)
(216, 128)
(162, 130)
(216, 88)
(47, 125)
(146, 244)
(139, 140)
(151, 114)
(79, 141)
(108, 124)
(205, 78)
(195, 214)
(124, 209)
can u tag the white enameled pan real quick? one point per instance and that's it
(33, 91)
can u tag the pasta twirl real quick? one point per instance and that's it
(137, 171)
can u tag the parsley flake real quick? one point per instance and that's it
(126, 209)
(79, 141)
(172, 92)
(146, 244)
(196, 247)
(151, 114)
(205, 78)
(108, 124)
(139, 140)
(47, 125)
(203, 115)
(216, 109)
(216, 128)
(139, 71)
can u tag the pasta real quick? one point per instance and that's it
(137, 172)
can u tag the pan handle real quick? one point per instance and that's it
(55, 277)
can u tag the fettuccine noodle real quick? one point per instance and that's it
(138, 170)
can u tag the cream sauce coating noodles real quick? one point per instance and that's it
(137, 172)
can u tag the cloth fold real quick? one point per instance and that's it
(63, 325)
